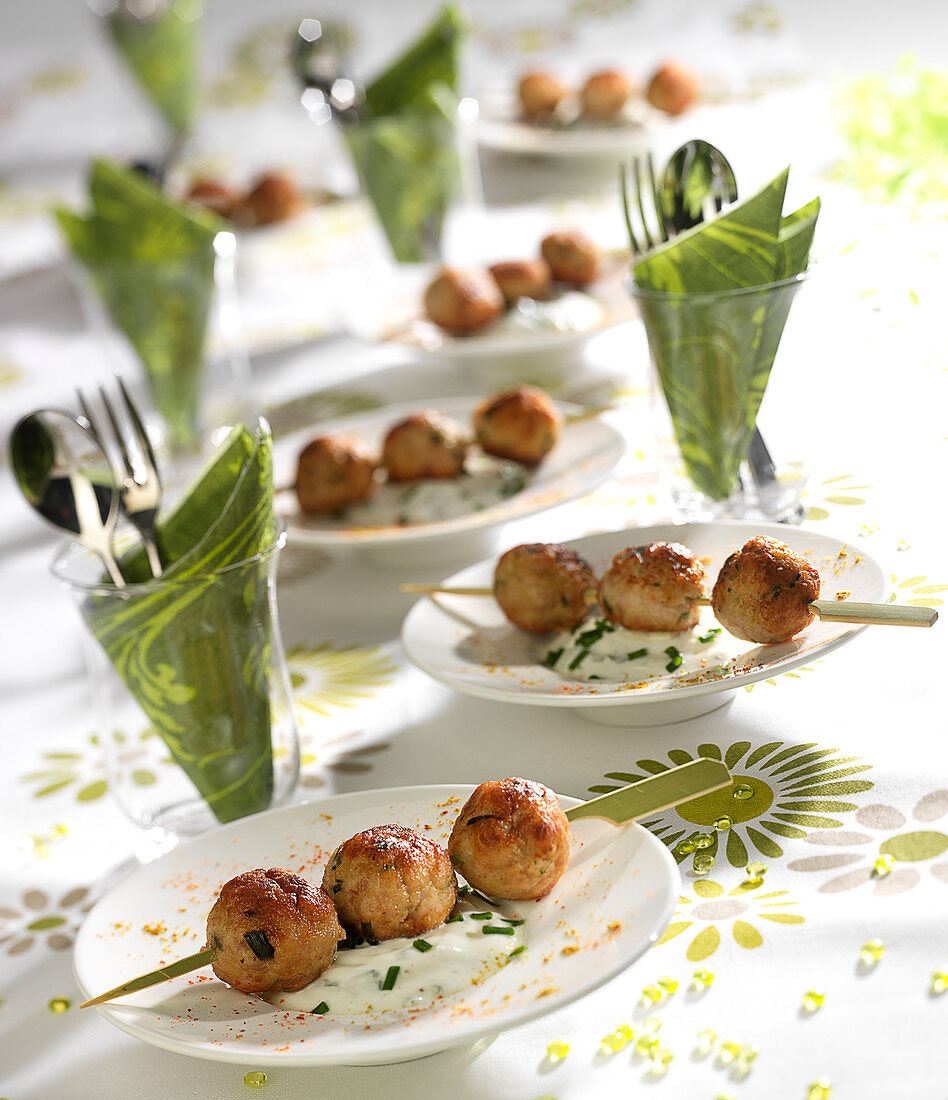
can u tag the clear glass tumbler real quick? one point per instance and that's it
(712, 355)
(191, 690)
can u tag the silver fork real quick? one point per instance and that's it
(642, 182)
(136, 471)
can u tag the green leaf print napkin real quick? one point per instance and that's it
(151, 262)
(193, 647)
(714, 319)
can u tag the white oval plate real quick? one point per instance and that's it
(614, 901)
(584, 457)
(467, 643)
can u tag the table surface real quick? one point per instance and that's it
(849, 751)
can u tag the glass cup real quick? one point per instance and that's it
(176, 323)
(191, 690)
(712, 355)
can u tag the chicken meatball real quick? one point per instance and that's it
(572, 256)
(672, 89)
(511, 840)
(522, 279)
(272, 930)
(605, 94)
(462, 302)
(540, 94)
(763, 592)
(427, 444)
(273, 198)
(543, 587)
(522, 424)
(333, 472)
(389, 881)
(654, 587)
(213, 195)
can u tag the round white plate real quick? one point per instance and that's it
(467, 643)
(614, 901)
(583, 458)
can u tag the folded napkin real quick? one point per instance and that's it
(162, 51)
(404, 145)
(713, 351)
(151, 262)
(193, 647)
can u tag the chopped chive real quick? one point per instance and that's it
(422, 945)
(579, 657)
(320, 1010)
(480, 916)
(390, 978)
(552, 657)
(675, 661)
(367, 933)
(634, 656)
(517, 951)
(455, 918)
(259, 944)
(480, 897)
(494, 930)
(711, 634)
(512, 920)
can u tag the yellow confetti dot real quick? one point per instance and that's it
(729, 1050)
(724, 1096)
(722, 823)
(746, 1056)
(645, 1044)
(703, 840)
(871, 952)
(614, 1041)
(668, 984)
(684, 847)
(701, 979)
(940, 981)
(883, 865)
(661, 1059)
(706, 1040)
(813, 1000)
(702, 864)
(557, 1050)
(651, 1024)
(820, 1090)
(60, 1004)
(255, 1079)
(651, 994)
(756, 871)
(742, 792)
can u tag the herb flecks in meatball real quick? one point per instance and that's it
(463, 302)
(653, 587)
(543, 587)
(426, 444)
(333, 472)
(273, 931)
(521, 424)
(511, 840)
(764, 591)
(389, 881)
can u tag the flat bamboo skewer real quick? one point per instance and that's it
(830, 611)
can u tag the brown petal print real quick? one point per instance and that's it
(824, 863)
(932, 806)
(846, 882)
(896, 882)
(837, 838)
(879, 816)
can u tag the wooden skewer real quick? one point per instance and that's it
(831, 611)
(155, 977)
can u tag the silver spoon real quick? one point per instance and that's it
(64, 474)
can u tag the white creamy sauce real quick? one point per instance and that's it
(570, 312)
(485, 482)
(461, 955)
(610, 652)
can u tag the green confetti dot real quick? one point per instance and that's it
(255, 1079)
(59, 1004)
(871, 952)
(820, 1090)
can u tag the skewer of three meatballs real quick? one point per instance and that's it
(764, 592)
(271, 930)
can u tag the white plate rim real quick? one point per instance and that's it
(519, 506)
(669, 890)
(599, 695)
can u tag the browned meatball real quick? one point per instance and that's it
(213, 195)
(272, 930)
(542, 587)
(672, 89)
(427, 444)
(522, 424)
(605, 94)
(653, 587)
(389, 881)
(522, 279)
(763, 592)
(572, 256)
(273, 198)
(333, 472)
(461, 302)
(540, 93)
(511, 839)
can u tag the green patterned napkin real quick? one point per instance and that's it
(151, 262)
(193, 647)
(714, 350)
(162, 51)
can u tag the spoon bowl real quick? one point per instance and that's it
(698, 182)
(64, 475)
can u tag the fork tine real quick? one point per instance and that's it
(117, 430)
(624, 195)
(638, 170)
(143, 441)
(87, 413)
(656, 197)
